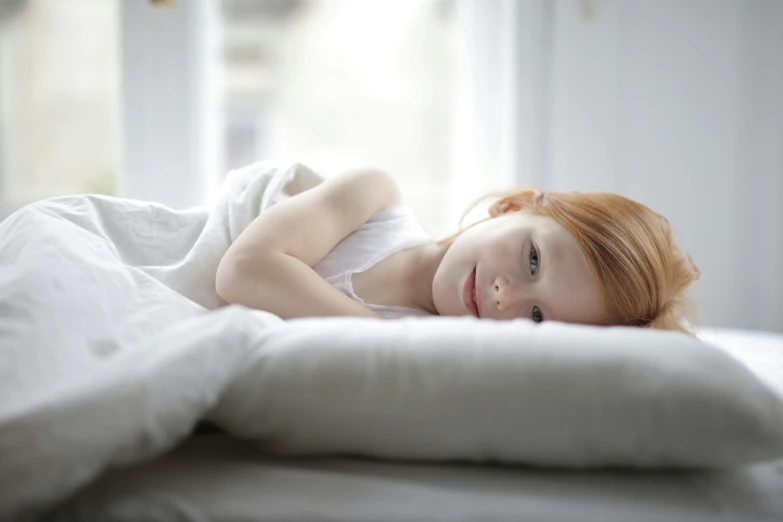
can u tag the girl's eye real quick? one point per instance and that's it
(533, 260)
(537, 315)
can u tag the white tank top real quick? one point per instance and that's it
(387, 232)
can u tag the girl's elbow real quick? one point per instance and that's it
(227, 280)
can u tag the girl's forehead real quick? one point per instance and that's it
(509, 226)
(532, 222)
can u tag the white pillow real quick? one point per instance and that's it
(454, 388)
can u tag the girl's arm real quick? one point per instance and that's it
(269, 266)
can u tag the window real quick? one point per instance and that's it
(343, 83)
(58, 99)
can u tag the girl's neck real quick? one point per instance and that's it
(417, 273)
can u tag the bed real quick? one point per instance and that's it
(215, 477)
(115, 345)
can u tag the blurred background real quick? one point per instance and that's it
(675, 103)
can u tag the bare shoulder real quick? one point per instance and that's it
(369, 184)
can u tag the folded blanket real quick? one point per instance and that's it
(114, 344)
(92, 290)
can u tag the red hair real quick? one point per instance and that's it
(642, 275)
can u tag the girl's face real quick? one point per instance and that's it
(524, 265)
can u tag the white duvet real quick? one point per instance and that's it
(114, 344)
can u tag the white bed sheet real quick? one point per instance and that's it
(221, 479)
(762, 352)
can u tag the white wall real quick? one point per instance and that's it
(678, 104)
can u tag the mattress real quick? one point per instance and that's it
(218, 478)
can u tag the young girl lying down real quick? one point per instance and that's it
(348, 247)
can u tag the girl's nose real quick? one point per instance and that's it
(505, 295)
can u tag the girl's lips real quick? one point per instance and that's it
(479, 297)
(467, 294)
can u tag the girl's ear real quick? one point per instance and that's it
(516, 201)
